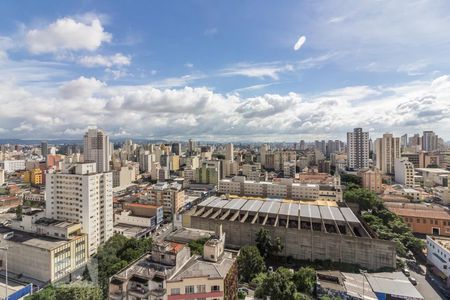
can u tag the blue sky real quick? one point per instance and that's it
(224, 70)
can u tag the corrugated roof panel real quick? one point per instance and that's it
(305, 211)
(326, 213)
(284, 209)
(337, 214)
(252, 205)
(349, 215)
(266, 206)
(293, 210)
(314, 211)
(207, 201)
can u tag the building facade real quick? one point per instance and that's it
(80, 194)
(357, 149)
(97, 148)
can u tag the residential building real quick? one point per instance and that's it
(324, 232)
(357, 149)
(210, 276)
(289, 169)
(424, 219)
(147, 277)
(387, 150)
(229, 152)
(169, 196)
(11, 166)
(125, 176)
(430, 177)
(208, 173)
(80, 194)
(137, 220)
(283, 188)
(371, 179)
(429, 141)
(2, 176)
(438, 256)
(44, 249)
(98, 149)
(404, 172)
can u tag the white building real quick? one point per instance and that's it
(97, 148)
(229, 152)
(387, 150)
(404, 172)
(438, 255)
(357, 149)
(81, 195)
(10, 166)
(2, 176)
(284, 188)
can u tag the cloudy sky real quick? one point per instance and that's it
(228, 70)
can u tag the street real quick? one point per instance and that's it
(423, 285)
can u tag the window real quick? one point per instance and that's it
(175, 291)
(215, 288)
(201, 288)
(189, 289)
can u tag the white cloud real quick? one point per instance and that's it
(146, 111)
(81, 88)
(109, 61)
(301, 40)
(269, 70)
(67, 34)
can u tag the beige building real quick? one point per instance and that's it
(170, 196)
(387, 150)
(404, 172)
(44, 249)
(2, 176)
(285, 188)
(372, 180)
(81, 195)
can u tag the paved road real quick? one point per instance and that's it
(423, 285)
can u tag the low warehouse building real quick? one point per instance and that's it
(307, 232)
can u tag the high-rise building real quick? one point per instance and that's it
(404, 141)
(358, 149)
(387, 150)
(262, 154)
(229, 152)
(302, 145)
(192, 147)
(429, 141)
(79, 194)
(176, 148)
(97, 149)
(44, 149)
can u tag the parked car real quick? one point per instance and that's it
(406, 272)
(413, 280)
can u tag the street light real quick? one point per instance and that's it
(5, 248)
(363, 272)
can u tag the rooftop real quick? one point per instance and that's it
(32, 240)
(421, 213)
(395, 283)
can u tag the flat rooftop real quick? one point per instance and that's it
(433, 170)
(420, 213)
(32, 240)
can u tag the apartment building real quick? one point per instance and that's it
(137, 219)
(2, 176)
(438, 256)
(211, 276)
(208, 173)
(169, 195)
(80, 194)
(11, 166)
(387, 150)
(357, 149)
(372, 180)
(97, 148)
(44, 249)
(404, 172)
(283, 188)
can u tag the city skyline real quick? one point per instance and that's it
(238, 72)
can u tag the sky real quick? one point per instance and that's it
(224, 70)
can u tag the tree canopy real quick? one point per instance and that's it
(304, 279)
(250, 263)
(366, 199)
(266, 246)
(68, 292)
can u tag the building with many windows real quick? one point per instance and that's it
(438, 256)
(357, 149)
(404, 172)
(80, 194)
(387, 150)
(169, 195)
(97, 148)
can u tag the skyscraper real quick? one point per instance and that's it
(429, 141)
(176, 148)
(97, 149)
(357, 149)
(192, 147)
(44, 149)
(229, 152)
(80, 194)
(387, 150)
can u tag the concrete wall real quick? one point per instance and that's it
(367, 252)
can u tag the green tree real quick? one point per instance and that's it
(277, 285)
(68, 292)
(305, 279)
(197, 246)
(365, 198)
(265, 245)
(350, 178)
(19, 212)
(250, 263)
